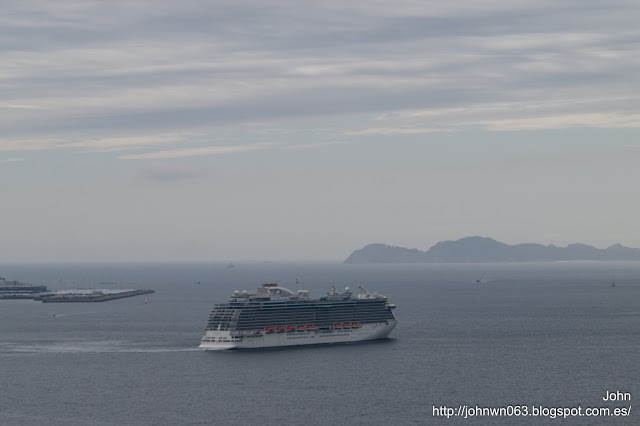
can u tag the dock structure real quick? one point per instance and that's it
(18, 290)
(18, 295)
(88, 295)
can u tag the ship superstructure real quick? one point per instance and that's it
(275, 316)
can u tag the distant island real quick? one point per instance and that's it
(481, 249)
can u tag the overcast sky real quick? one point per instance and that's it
(287, 130)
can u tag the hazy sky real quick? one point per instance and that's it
(287, 130)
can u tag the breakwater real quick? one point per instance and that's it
(93, 296)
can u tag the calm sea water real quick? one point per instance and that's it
(544, 334)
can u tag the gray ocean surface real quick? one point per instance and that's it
(534, 334)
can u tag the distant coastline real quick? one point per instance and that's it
(482, 249)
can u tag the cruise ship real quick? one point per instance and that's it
(274, 316)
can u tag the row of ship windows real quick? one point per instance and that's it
(302, 319)
(319, 316)
(259, 328)
(317, 309)
(280, 321)
(257, 324)
(303, 313)
(302, 308)
(315, 319)
(266, 304)
(313, 313)
(308, 314)
(360, 318)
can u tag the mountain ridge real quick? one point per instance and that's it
(483, 249)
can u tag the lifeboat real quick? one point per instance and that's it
(346, 324)
(336, 325)
(301, 327)
(291, 328)
(269, 329)
(355, 324)
(279, 329)
(311, 327)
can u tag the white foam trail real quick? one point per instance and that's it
(85, 347)
(70, 315)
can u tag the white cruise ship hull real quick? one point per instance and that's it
(225, 339)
